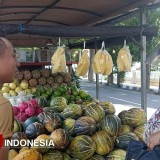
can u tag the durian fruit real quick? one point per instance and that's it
(124, 59)
(83, 64)
(103, 63)
(58, 60)
(108, 63)
(99, 62)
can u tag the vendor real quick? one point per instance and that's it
(8, 68)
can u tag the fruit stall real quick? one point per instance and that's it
(48, 104)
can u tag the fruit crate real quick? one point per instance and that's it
(44, 55)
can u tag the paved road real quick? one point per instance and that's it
(122, 99)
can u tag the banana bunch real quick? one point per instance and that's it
(124, 59)
(58, 60)
(83, 64)
(102, 63)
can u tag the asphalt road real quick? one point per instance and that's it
(122, 99)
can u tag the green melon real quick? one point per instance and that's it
(136, 117)
(104, 142)
(123, 140)
(85, 126)
(30, 121)
(125, 128)
(111, 124)
(139, 132)
(72, 111)
(58, 104)
(122, 116)
(61, 138)
(39, 148)
(68, 125)
(52, 122)
(34, 130)
(53, 155)
(66, 156)
(97, 157)
(95, 111)
(82, 147)
(108, 107)
(117, 154)
(17, 126)
(42, 101)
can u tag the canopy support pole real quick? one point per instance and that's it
(97, 76)
(143, 62)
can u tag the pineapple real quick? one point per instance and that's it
(27, 75)
(45, 73)
(42, 81)
(47, 86)
(50, 80)
(66, 77)
(19, 76)
(36, 74)
(54, 85)
(33, 82)
(59, 79)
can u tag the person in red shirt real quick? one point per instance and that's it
(8, 68)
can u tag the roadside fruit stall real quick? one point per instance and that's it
(54, 118)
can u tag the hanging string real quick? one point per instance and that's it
(124, 43)
(103, 46)
(84, 45)
(59, 42)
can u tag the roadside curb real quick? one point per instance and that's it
(138, 88)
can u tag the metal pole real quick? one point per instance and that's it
(97, 76)
(143, 64)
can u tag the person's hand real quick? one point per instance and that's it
(153, 140)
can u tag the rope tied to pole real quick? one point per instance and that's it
(20, 28)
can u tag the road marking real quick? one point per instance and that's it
(125, 101)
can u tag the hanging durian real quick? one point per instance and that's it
(124, 59)
(58, 60)
(102, 63)
(83, 64)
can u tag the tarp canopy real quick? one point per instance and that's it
(30, 15)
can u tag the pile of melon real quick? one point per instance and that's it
(88, 131)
